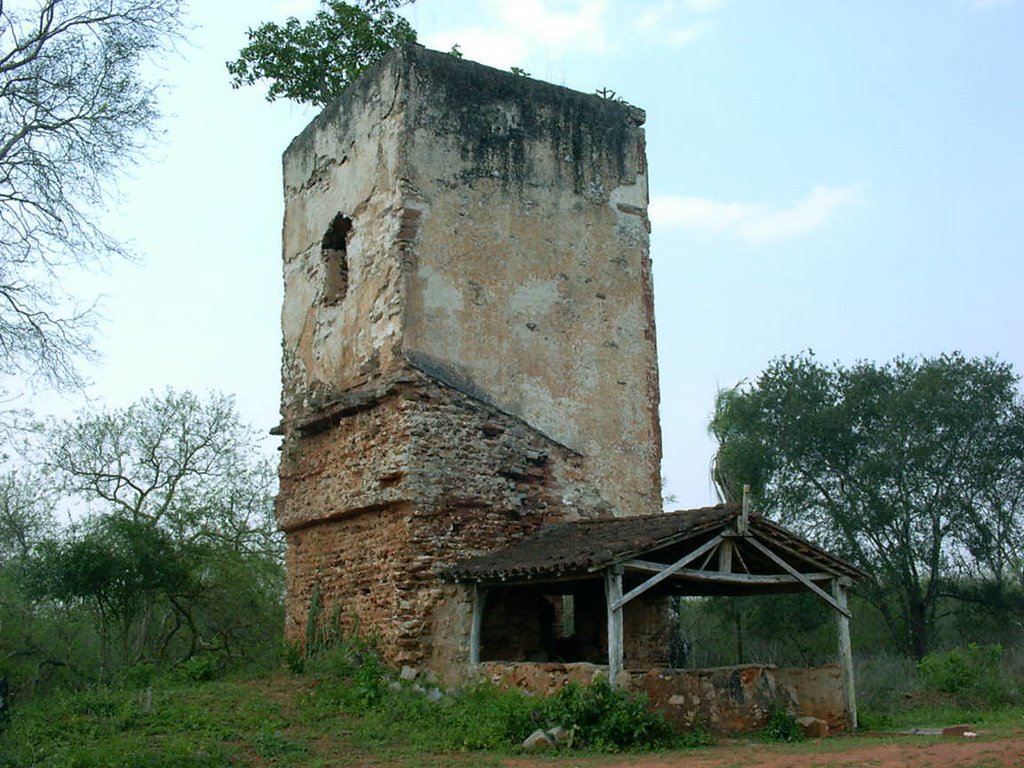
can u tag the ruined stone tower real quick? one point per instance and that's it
(468, 336)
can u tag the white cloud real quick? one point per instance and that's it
(661, 23)
(520, 30)
(527, 27)
(700, 214)
(991, 3)
(488, 46)
(677, 38)
(754, 222)
(584, 27)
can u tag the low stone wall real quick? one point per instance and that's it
(721, 699)
(819, 693)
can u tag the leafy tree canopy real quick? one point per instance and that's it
(312, 62)
(913, 470)
(176, 553)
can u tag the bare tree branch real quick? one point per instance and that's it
(75, 111)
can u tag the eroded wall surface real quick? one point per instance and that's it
(378, 500)
(468, 338)
(498, 240)
(531, 275)
(347, 162)
(722, 700)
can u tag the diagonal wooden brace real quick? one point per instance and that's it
(798, 576)
(668, 571)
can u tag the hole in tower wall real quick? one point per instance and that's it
(334, 252)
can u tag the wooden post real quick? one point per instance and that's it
(613, 594)
(845, 653)
(743, 524)
(479, 598)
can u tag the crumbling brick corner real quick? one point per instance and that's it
(378, 499)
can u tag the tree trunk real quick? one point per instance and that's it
(917, 628)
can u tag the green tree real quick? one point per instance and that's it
(913, 470)
(312, 62)
(26, 513)
(75, 111)
(27, 638)
(178, 553)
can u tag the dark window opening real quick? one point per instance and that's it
(334, 252)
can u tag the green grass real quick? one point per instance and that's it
(186, 726)
(317, 719)
(998, 722)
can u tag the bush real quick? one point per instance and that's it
(198, 669)
(782, 727)
(294, 658)
(972, 672)
(139, 676)
(354, 676)
(484, 716)
(607, 719)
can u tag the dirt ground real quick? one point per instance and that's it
(834, 753)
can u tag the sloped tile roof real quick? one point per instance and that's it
(581, 547)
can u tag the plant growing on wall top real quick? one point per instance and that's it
(312, 62)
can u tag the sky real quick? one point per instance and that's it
(842, 177)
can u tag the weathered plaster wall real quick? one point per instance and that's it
(819, 692)
(530, 273)
(348, 161)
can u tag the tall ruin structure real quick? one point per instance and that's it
(468, 340)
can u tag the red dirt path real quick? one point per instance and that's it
(945, 753)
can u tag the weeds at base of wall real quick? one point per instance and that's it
(353, 679)
(781, 727)
(609, 720)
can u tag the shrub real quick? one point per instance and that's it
(198, 669)
(782, 727)
(973, 672)
(607, 719)
(139, 676)
(294, 658)
(484, 716)
(354, 676)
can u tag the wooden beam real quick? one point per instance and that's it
(707, 559)
(801, 556)
(799, 576)
(845, 654)
(693, 574)
(668, 570)
(613, 599)
(479, 600)
(739, 556)
(725, 556)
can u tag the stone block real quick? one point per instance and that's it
(812, 727)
